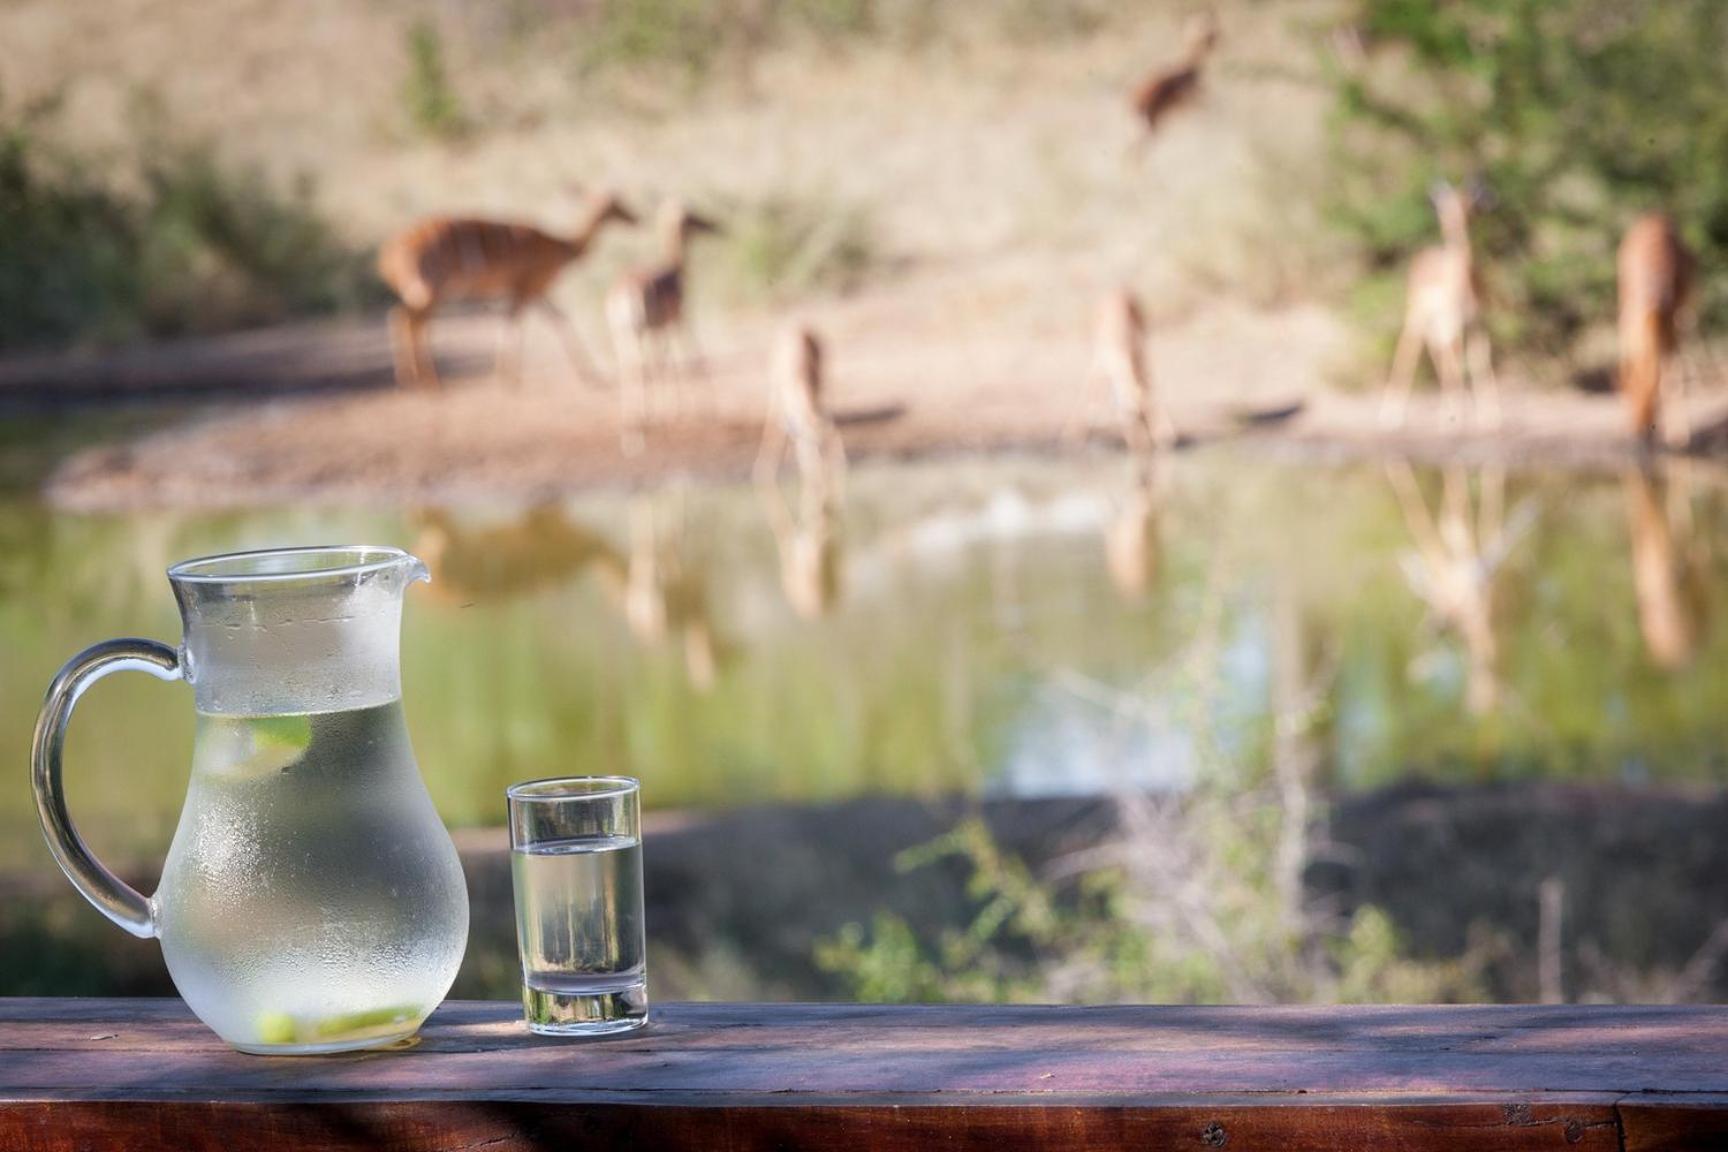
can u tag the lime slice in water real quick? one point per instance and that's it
(375, 1023)
(246, 747)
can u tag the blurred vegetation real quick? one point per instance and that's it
(1579, 114)
(703, 38)
(788, 247)
(1091, 941)
(166, 239)
(428, 92)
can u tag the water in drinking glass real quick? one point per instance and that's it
(579, 925)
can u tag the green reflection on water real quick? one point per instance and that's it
(654, 635)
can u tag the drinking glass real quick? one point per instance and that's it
(576, 863)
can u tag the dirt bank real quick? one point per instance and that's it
(323, 423)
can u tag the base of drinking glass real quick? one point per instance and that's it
(585, 1013)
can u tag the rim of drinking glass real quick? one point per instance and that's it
(555, 788)
(233, 567)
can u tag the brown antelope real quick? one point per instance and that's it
(444, 258)
(646, 311)
(1443, 313)
(1119, 360)
(798, 417)
(1454, 565)
(1173, 87)
(1657, 281)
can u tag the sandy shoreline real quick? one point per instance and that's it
(320, 422)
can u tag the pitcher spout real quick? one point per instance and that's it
(295, 629)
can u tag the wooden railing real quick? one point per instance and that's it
(143, 1074)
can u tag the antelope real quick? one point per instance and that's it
(645, 309)
(1657, 282)
(798, 418)
(1119, 360)
(1173, 87)
(445, 258)
(1454, 565)
(1442, 313)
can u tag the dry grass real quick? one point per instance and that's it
(990, 165)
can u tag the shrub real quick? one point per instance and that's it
(1578, 113)
(428, 93)
(785, 247)
(169, 240)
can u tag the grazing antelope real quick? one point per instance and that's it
(446, 258)
(1667, 578)
(1173, 87)
(646, 310)
(1443, 313)
(798, 416)
(1657, 281)
(1454, 565)
(1119, 360)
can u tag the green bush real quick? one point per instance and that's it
(168, 240)
(786, 247)
(427, 91)
(696, 36)
(66, 243)
(1579, 114)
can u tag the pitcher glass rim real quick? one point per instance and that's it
(279, 565)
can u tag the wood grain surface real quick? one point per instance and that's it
(78, 1074)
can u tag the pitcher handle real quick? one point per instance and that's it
(112, 896)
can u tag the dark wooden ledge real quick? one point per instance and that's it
(80, 1074)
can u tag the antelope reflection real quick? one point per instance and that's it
(1132, 547)
(650, 584)
(811, 553)
(542, 549)
(1458, 554)
(662, 596)
(1667, 576)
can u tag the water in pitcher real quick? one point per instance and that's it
(579, 918)
(299, 908)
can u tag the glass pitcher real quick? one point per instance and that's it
(312, 900)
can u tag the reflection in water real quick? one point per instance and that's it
(811, 551)
(485, 565)
(1667, 575)
(1131, 534)
(576, 637)
(1238, 651)
(1453, 568)
(662, 594)
(652, 586)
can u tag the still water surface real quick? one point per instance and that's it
(1010, 627)
(1019, 628)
